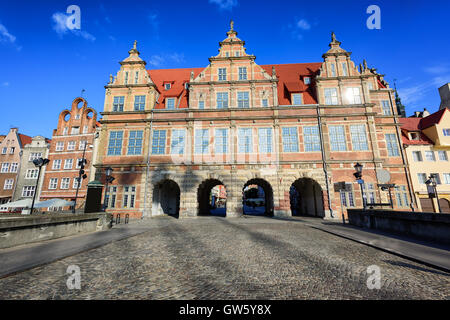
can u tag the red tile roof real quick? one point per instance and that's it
(24, 140)
(432, 119)
(410, 125)
(294, 73)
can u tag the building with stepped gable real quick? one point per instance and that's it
(295, 130)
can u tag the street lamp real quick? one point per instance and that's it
(109, 179)
(432, 179)
(40, 162)
(81, 173)
(358, 175)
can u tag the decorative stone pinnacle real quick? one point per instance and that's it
(135, 44)
(231, 25)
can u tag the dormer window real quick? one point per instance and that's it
(307, 80)
(136, 77)
(227, 54)
(296, 99)
(414, 135)
(344, 69)
(126, 77)
(333, 70)
(237, 53)
(167, 86)
(222, 74)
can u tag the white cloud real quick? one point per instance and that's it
(298, 28)
(7, 37)
(438, 69)
(413, 94)
(225, 4)
(5, 84)
(156, 60)
(177, 57)
(61, 28)
(303, 24)
(154, 22)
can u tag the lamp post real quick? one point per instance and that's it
(81, 173)
(40, 162)
(109, 179)
(358, 175)
(432, 179)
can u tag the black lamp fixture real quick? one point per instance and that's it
(39, 162)
(432, 179)
(358, 175)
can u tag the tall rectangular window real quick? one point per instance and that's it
(65, 182)
(242, 73)
(401, 196)
(135, 142)
(297, 99)
(126, 77)
(386, 108)
(28, 191)
(115, 143)
(333, 70)
(265, 140)
(446, 178)
(429, 155)
(337, 138)
(422, 177)
(222, 74)
(347, 198)
(443, 155)
(311, 138)
(243, 100)
(170, 103)
(354, 96)
(392, 145)
(178, 141)
(264, 102)
(344, 69)
(222, 100)
(8, 184)
(82, 145)
(5, 167)
(159, 142)
(59, 146)
(331, 97)
(290, 139)
(369, 192)
(201, 141)
(129, 196)
(245, 140)
(221, 141)
(359, 137)
(53, 184)
(71, 145)
(68, 164)
(139, 103)
(201, 104)
(14, 167)
(111, 197)
(4, 150)
(118, 103)
(437, 177)
(136, 77)
(56, 164)
(76, 184)
(417, 156)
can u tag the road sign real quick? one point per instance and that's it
(360, 181)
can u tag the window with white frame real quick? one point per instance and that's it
(177, 142)
(8, 184)
(354, 96)
(446, 178)
(28, 191)
(167, 86)
(417, 156)
(264, 102)
(370, 85)
(333, 70)
(311, 138)
(359, 137)
(306, 80)
(243, 99)
(385, 105)
(75, 183)
(32, 174)
(245, 140)
(392, 145)
(82, 145)
(337, 138)
(77, 163)
(66, 131)
(369, 192)
(56, 164)
(201, 141)
(222, 73)
(442, 155)
(14, 167)
(170, 103)
(331, 97)
(53, 183)
(4, 150)
(5, 167)
(126, 77)
(265, 140)
(111, 197)
(237, 54)
(446, 132)
(159, 142)
(75, 130)
(35, 155)
(68, 164)
(129, 195)
(115, 143)
(401, 196)
(437, 177)
(242, 73)
(347, 198)
(11, 150)
(221, 141)
(296, 99)
(71, 145)
(65, 183)
(344, 69)
(118, 103)
(136, 77)
(135, 142)
(85, 129)
(422, 177)
(429, 155)
(59, 146)
(222, 100)
(290, 139)
(139, 103)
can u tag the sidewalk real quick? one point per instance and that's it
(24, 257)
(429, 253)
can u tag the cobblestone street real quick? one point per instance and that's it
(219, 258)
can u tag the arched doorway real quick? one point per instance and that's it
(212, 198)
(257, 198)
(306, 198)
(166, 198)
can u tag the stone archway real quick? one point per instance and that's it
(211, 197)
(306, 198)
(166, 198)
(258, 201)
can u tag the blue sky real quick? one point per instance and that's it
(43, 67)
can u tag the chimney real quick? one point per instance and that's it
(444, 92)
(425, 113)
